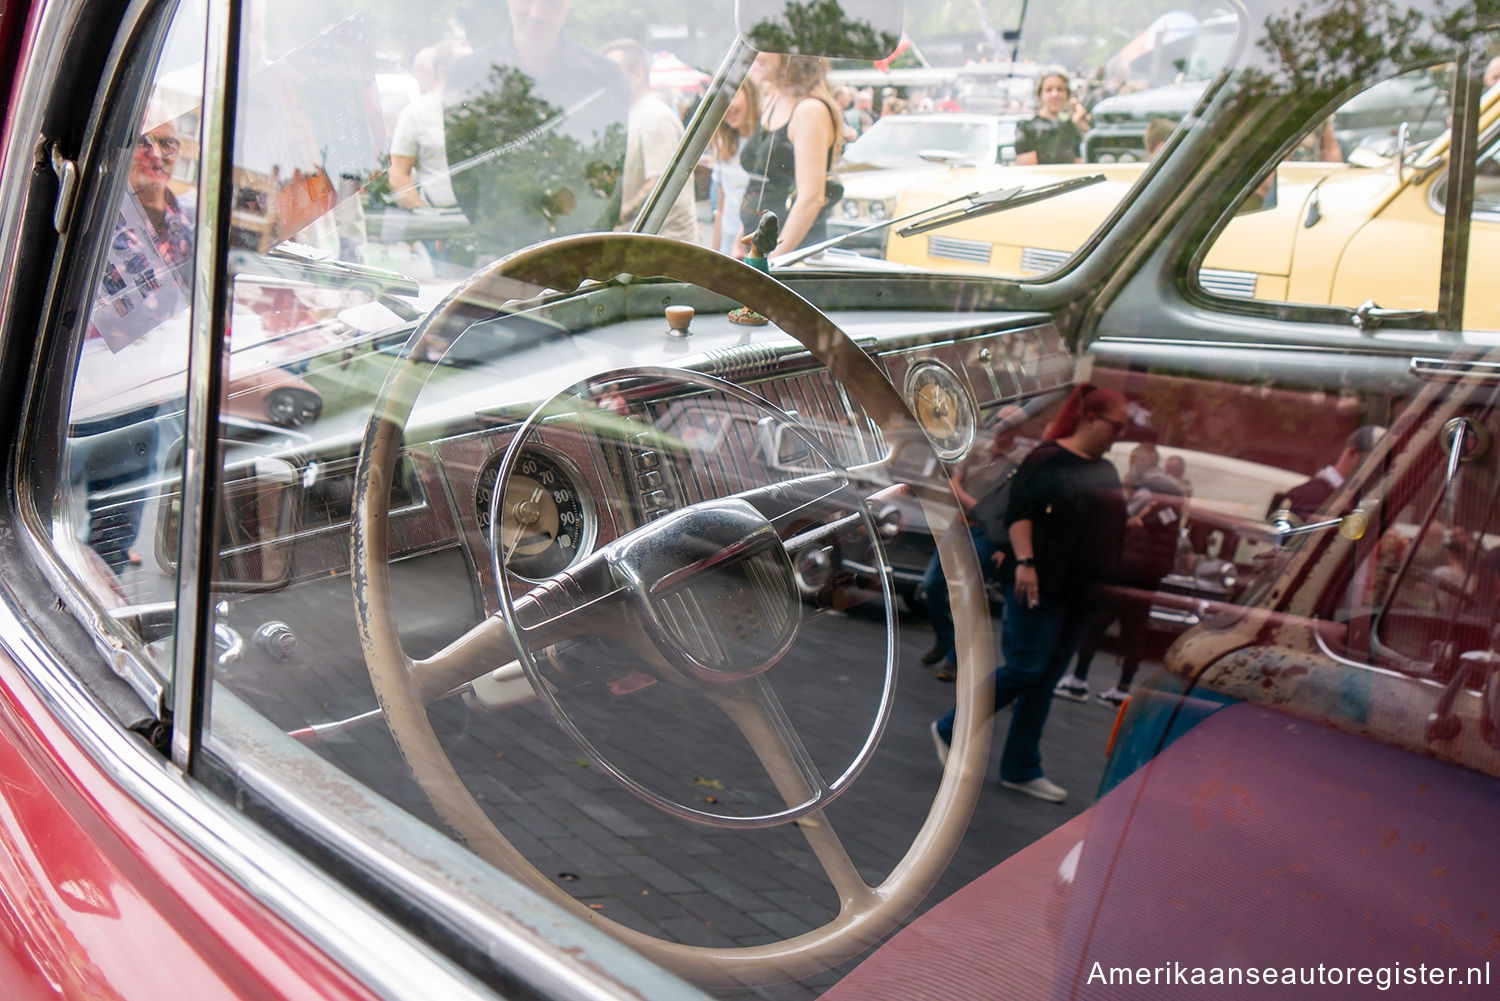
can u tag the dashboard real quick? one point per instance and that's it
(637, 425)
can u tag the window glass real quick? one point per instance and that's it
(125, 411)
(1320, 228)
(597, 577)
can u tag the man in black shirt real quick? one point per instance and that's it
(1067, 523)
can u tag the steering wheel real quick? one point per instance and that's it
(697, 545)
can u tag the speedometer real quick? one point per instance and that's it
(546, 519)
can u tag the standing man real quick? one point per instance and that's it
(535, 130)
(419, 155)
(1066, 521)
(652, 134)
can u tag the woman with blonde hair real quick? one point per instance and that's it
(740, 121)
(788, 161)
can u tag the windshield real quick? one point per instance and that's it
(383, 155)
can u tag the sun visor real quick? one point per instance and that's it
(854, 29)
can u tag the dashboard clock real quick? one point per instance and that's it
(546, 519)
(943, 408)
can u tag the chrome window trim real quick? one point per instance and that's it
(196, 544)
(38, 66)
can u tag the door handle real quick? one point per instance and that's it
(1367, 316)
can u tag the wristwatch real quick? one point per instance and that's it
(1026, 561)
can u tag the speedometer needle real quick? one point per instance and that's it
(522, 521)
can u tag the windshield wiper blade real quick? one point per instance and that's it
(999, 201)
(980, 203)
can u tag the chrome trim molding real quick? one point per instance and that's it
(196, 545)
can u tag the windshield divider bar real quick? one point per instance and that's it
(192, 653)
(653, 213)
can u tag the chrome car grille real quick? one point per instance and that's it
(952, 249)
(1237, 284)
(1035, 261)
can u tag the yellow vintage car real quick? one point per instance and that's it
(1316, 233)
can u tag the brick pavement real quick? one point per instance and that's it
(688, 882)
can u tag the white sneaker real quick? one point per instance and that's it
(1072, 688)
(1040, 787)
(1115, 697)
(938, 743)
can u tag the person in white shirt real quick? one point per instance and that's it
(1305, 499)
(652, 134)
(419, 155)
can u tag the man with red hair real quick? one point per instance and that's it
(1066, 523)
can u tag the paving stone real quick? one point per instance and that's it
(727, 919)
(694, 931)
(800, 906)
(642, 897)
(662, 878)
(614, 821)
(726, 888)
(583, 857)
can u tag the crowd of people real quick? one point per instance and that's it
(776, 149)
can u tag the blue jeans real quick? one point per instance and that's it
(935, 586)
(1037, 644)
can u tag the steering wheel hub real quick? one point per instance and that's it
(718, 589)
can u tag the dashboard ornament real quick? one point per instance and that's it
(761, 242)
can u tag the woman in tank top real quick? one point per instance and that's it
(788, 161)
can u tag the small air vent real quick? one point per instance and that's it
(1035, 261)
(1236, 284)
(950, 249)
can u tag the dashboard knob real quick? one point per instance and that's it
(277, 639)
(678, 318)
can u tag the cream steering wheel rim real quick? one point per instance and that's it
(866, 913)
